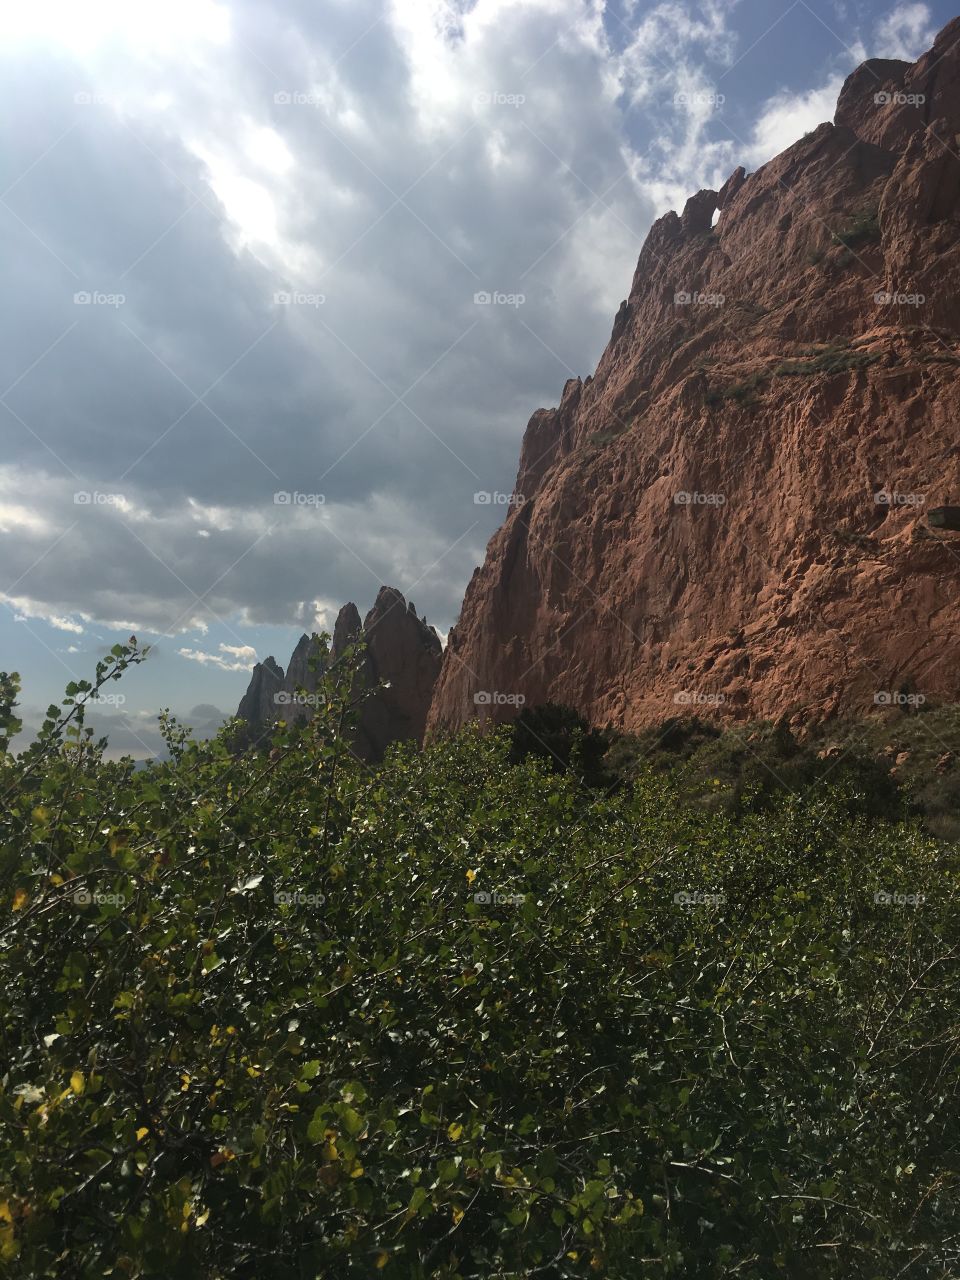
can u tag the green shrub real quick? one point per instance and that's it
(560, 737)
(459, 1017)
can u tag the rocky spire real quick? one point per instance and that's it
(403, 652)
(258, 707)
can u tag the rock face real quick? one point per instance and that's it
(402, 650)
(258, 706)
(728, 517)
(406, 653)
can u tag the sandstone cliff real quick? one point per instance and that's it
(729, 516)
(403, 653)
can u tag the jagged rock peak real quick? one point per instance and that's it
(258, 706)
(346, 629)
(402, 651)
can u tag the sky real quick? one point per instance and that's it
(285, 279)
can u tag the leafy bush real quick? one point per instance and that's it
(280, 1016)
(751, 768)
(562, 739)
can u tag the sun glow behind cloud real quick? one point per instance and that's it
(140, 25)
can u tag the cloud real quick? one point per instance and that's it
(905, 32)
(25, 609)
(786, 117)
(229, 658)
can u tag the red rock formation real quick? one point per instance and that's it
(760, 368)
(401, 665)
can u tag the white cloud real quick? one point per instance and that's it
(786, 117)
(14, 517)
(107, 24)
(229, 658)
(906, 32)
(240, 651)
(25, 610)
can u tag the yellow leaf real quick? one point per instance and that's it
(202, 1217)
(456, 1213)
(471, 876)
(8, 1245)
(19, 899)
(357, 1172)
(5, 1214)
(77, 1082)
(142, 1133)
(455, 1132)
(382, 1260)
